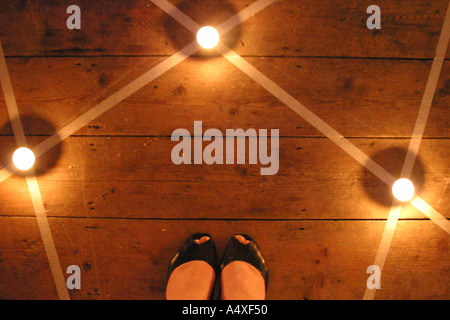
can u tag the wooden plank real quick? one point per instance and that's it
(354, 96)
(135, 177)
(409, 29)
(329, 28)
(128, 259)
(119, 207)
(404, 272)
(24, 269)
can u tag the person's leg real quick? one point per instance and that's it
(242, 281)
(193, 280)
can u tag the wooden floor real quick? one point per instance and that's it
(119, 208)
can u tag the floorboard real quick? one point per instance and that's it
(283, 29)
(307, 259)
(119, 207)
(354, 96)
(135, 177)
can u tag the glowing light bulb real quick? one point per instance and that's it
(403, 189)
(207, 37)
(23, 158)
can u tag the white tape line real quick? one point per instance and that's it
(431, 213)
(295, 105)
(33, 186)
(428, 96)
(226, 26)
(245, 14)
(10, 100)
(113, 100)
(11, 105)
(314, 120)
(47, 238)
(339, 140)
(108, 103)
(306, 114)
(385, 244)
(389, 229)
(167, 7)
(177, 14)
(5, 173)
(411, 155)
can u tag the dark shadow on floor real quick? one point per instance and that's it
(391, 159)
(36, 130)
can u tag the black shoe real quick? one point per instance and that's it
(250, 253)
(191, 251)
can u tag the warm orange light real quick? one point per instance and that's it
(207, 37)
(403, 189)
(23, 158)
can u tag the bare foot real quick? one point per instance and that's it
(242, 281)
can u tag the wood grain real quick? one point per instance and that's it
(128, 259)
(119, 208)
(354, 96)
(135, 177)
(410, 29)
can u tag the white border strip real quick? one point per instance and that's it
(33, 186)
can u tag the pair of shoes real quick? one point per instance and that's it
(206, 251)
